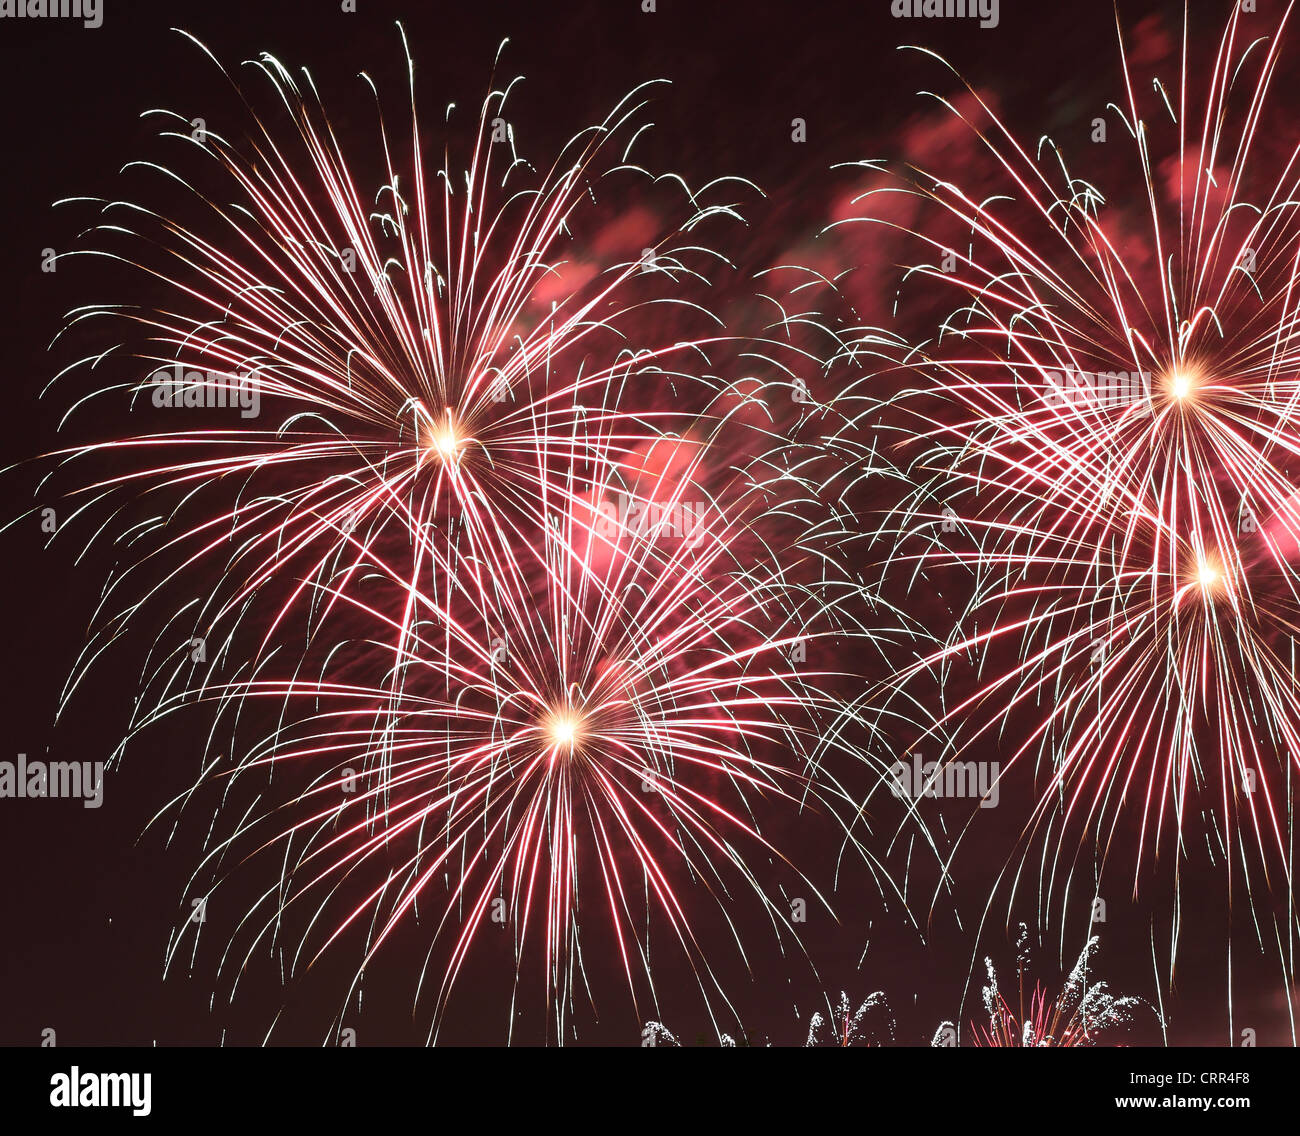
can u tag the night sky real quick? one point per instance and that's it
(90, 897)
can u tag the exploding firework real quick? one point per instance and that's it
(1104, 436)
(558, 745)
(848, 1027)
(566, 678)
(531, 598)
(351, 350)
(871, 1024)
(1079, 1016)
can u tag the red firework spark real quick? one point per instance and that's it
(578, 677)
(1105, 440)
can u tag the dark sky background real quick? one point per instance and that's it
(88, 897)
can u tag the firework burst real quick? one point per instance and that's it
(558, 744)
(402, 340)
(519, 618)
(1104, 435)
(848, 1027)
(1079, 1016)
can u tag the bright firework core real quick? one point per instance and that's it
(1181, 383)
(1209, 574)
(563, 728)
(445, 440)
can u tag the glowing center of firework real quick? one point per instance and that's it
(1181, 385)
(445, 442)
(563, 729)
(444, 438)
(1209, 575)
